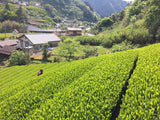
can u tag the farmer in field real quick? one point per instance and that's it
(40, 72)
(96, 55)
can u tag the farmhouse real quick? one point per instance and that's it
(7, 47)
(6, 51)
(73, 31)
(34, 42)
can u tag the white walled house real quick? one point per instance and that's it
(35, 42)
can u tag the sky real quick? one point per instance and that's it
(128, 0)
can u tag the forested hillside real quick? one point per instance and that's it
(44, 13)
(107, 7)
(137, 25)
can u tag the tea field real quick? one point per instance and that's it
(123, 85)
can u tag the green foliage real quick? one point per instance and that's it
(67, 49)
(136, 34)
(81, 88)
(85, 40)
(21, 15)
(152, 19)
(84, 89)
(11, 25)
(12, 14)
(7, 14)
(51, 11)
(8, 35)
(89, 52)
(33, 10)
(158, 35)
(18, 58)
(142, 99)
(45, 53)
(123, 46)
(103, 23)
(71, 9)
(87, 14)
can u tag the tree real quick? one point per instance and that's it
(67, 49)
(121, 15)
(17, 58)
(7, 7)
(45, 53)
(158, 35)
(11, 25)
(51, 11)
(21, 16)
(7, 14)
(152, 20)
(104, 23)
(90, 52)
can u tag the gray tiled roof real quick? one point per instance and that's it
(42, 38)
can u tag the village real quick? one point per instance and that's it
(33, 40)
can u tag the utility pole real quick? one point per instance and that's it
(23, 25)
(27, 47)
(5, 29)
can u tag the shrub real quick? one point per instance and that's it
(18, 58)
(90, 52)
(123, 46)
(91, 40)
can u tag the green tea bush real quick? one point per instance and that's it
(84, 89)
(142, 99)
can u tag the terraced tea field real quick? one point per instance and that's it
(123, 85)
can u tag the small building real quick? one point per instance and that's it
(6, 51)
(15, 32)
(35, 42)
(73, 31)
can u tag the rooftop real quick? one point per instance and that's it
(8, 43)
(42, 38)
(7, 50)
(74, 29)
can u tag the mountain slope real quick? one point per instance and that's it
(107, 7)
(47, 12)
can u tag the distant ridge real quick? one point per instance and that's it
(107, 7)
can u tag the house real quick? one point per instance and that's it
(15, 32)
(6, 51)
(34, 42)
(73, 31)
(8, 43)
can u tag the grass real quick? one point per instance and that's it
(8, 35)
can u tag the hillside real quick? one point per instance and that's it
(107, 7)
(46, 13)
(92, 88)
(136, 26)
(72, 9)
